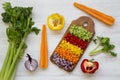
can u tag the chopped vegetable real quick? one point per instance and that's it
(31, 64)
(89, 66)
(72, 48)
(61, 62)
(109, 20)
(66, 54)
(44, 49)
(56, 21)
(80, 32)
(76, 41)
(104, 46)
(19, 27)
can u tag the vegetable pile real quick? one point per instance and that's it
(80, 32)
(76, 41)
(19, 27)
(71, 47)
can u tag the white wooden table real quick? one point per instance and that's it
(109, 66)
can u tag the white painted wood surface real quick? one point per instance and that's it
(109, 66)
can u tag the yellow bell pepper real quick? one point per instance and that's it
(56, 21)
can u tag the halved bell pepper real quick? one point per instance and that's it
(56, 21)
(89, 66)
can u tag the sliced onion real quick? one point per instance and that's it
(31, 64)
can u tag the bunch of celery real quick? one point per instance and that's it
(20, 25)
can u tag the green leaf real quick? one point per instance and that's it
(95, 41)
(7, 6)
(113, 54)
(36, 30)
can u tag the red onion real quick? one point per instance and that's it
(31, 64)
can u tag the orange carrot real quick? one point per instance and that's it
(109, 20)
(104, 15)
(44, 49)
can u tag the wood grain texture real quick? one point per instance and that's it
(109, 66)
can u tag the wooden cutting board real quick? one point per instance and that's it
(84, 22)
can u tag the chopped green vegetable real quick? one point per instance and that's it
(19, 27)
(80, 32)
(104, 46)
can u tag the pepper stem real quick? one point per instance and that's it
(91, 60)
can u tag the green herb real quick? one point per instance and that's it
(19, 26)
(80, 32)
(103, 46)
(95, 41)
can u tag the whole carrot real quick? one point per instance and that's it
(44, 49)
(109, 20)
(103, 15)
